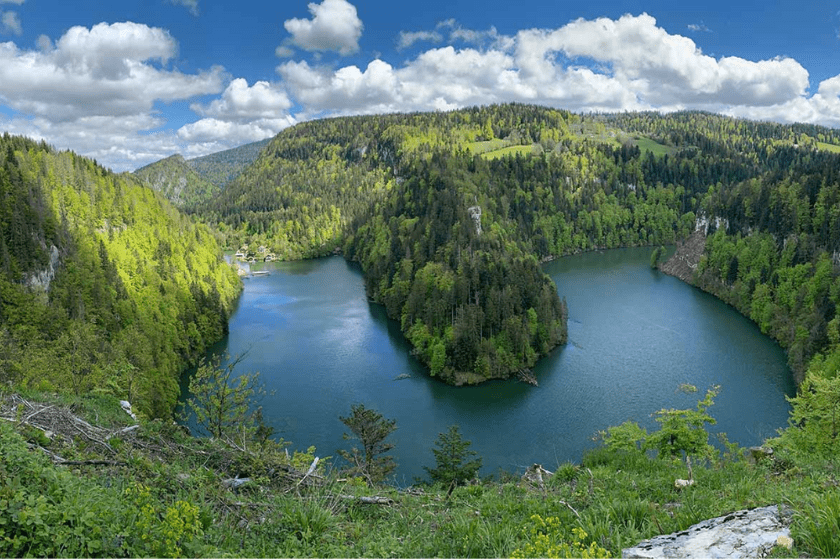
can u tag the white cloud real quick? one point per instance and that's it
(698, 27)
(455, 33)
(242, 114)
(18, 2)
(408, 38)
(589, 65)
(191, 5)
(239, 101)
(95, 90)
(283, 51)
(663, 68)
(106, 70)
(335, 26)
(10, 23)
(230, 133)
(345, 91)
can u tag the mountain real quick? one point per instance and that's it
(187, 183)
(449, 215)
(105, 286)
(221, 168)
(177, 181)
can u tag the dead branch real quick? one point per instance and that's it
(374, 500)
(571, 508)
(94, 462)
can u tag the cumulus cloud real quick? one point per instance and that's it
(95, 89)
(231, 133)
(335, 26)
(242, 114)
(239, 101)
(10, 23)
(591, 65)
(662, 68)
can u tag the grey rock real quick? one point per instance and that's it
(748, 533)
(760, 452)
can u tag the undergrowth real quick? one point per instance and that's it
(162, 493)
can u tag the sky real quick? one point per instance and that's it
(130, 82)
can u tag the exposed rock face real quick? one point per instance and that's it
(748, 533)
(41, 280)
(684, 262)
(475, 214)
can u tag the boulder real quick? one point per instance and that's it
(748, 533)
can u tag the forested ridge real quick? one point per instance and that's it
(187, 183)
(449, 214)
(177, 181)
(104, 286)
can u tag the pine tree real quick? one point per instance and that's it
(371, 428)
(455, 460)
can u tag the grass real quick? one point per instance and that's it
(485, 146)
(617, 497)
(508, 151)
(648, 145)
(828, 147)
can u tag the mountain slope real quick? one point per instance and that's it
(220, 168)
(104, 285)
(177, 181)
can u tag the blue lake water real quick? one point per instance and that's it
(635, 336)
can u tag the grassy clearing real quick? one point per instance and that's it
(828, 147)
(485, 146)
(508, 151)
(648, 145)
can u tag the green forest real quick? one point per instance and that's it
(450, 215)
(105, 287)
(109, 292)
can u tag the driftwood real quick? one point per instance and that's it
(235, 482)
(309, 471)
(527, 376)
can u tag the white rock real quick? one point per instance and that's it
(741, 534)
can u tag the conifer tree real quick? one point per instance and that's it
(371, 428)
(456, 462)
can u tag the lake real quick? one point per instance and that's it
(635, 336)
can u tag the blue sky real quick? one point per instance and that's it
(131, 82)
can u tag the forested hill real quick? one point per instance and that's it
(177, 181)
(449, 214)
(104, 286)
(220, 168)
(187, 183)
